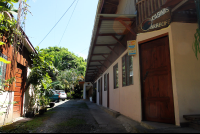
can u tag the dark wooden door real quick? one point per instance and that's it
(20, 77)
(157, 95)
(108, 99)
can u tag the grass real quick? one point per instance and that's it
(82, 105)
(25, 127)
(80, 115)
(72, 122)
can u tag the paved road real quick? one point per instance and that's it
(78, 116)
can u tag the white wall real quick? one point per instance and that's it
(28, 94)
(6, 106)
(126, 100)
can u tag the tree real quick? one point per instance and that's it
(40, 76)
(70, 78)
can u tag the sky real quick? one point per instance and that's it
(46, 13)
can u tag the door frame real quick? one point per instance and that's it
(140, 64)
(108, 102)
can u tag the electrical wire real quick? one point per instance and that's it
(56, 23)
(68, 24)
(82, 51)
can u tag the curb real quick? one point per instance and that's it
(113, 113)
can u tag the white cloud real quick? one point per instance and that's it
(34, 0)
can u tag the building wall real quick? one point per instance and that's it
(28, 98)
(126, 100)
(126, 7)
(184, 67)
(6, 107)
(187, 67)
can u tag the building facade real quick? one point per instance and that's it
(12, 100)
(158, 81)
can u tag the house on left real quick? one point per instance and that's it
(14, 100)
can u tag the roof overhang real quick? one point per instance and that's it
(107, 33)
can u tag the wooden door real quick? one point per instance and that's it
(108, 91)
(157, 95)
(19, 91)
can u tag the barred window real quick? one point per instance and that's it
(105, 82)
(2, 69)
(99, 85)
(127, 70)
(115, 72)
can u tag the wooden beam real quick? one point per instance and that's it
(111, 4)
(179, 5)
(110, 34)
(106, 58)
(118, 41)
(96, 60)
(100, 69)
(102, 64)
(98, 28)
(94, 65)
(113, 50)
(98, 45)
(171, 3)
(116, 18)
(127, 27)
(101, 54)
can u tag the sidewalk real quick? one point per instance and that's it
(111, 119)
(104, 120)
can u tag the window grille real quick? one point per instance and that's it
(2, 69)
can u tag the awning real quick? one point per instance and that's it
(107, 32)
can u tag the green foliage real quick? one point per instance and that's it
(8, 27)
(39, 76)
(56, 68)
(6, 83)
(63, 59)
(72, 122)
(195, 46)
(26, 127)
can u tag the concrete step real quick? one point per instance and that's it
(195, 117)
(194, 121)
(111, 112)
(195, 125)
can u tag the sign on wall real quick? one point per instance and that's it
(159, 20)
(132, 49)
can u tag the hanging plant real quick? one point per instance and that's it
(195, 46)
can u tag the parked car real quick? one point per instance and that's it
(54, 97)
(62, 94)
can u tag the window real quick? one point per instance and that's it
(127, 70)
(115, 72)
(105, 82)
(2, 69)
(99, 85)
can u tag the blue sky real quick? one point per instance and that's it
(46, 14)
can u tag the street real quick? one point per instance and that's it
(70, 116)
